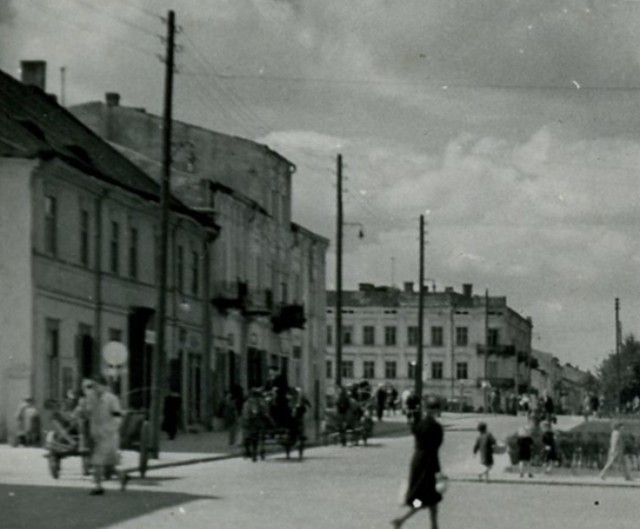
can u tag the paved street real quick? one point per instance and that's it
(333, 487)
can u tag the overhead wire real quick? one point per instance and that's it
(118, 41)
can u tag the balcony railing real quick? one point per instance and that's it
(288, 316)
(229, 295)
(497, 350)
(259, 303)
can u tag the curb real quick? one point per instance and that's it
(548, 482)
(222, 457)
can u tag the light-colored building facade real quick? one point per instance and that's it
(380, 337)
(267, 274)
(77, 262)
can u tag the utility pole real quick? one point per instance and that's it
(420, 355)
(339, 222)
(452, 345)
(63, 71)
(618, 366)
(486, 349)
(159, 361)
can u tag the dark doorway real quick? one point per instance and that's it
(140, 321)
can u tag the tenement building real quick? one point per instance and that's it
(268, 273)
(473, 345)
(78, 232)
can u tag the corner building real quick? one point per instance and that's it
(268, 273)
(380, 338)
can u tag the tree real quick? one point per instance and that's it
(626, 385)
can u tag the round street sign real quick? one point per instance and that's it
(115, 353)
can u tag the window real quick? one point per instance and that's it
(84, 237)
(436, 370)
(390, 336)
(462, 372)
(329, 369)
(133, 253)
(329, 335)
(492, 369)
(195, 273)
(411, 370)
(369, 335)
(412, 335)
(437, 337)
(390, 369)
(347, 369)
(115, 335)
(494, 337)
(462, 336)
(52, 350)
(51, 225)
(114, 244)
(369, 369)
(347, 335)
(180, 269)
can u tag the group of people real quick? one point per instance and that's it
(274, 406)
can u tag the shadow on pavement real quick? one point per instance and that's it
(36, 507)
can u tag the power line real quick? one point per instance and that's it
(119, 41)
(140, 9)
(124, 21)
(233, 97)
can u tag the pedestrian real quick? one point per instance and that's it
(484, 445)
(171, 414)
(548, 407)
(254, 420)
(103, 411)
(413, 408)
(392, 399)
(28, 424)
(525, 443)
(381, 401)
(616, 452)
(586, 407)
(422, 491)
(550, 448)
(228, 412)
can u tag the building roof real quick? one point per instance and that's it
(34, 125)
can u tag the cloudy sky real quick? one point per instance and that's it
(514, 123)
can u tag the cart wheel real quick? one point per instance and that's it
(54, 466)
(144, 449)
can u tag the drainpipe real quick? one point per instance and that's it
(207, 389)
(97, 267)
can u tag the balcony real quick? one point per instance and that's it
(498, 382)
(497, 350)
(288, 316)
(259, 302)
(230, 295)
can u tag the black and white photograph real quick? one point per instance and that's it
(283, 264)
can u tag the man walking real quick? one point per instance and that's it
(616, 452)
(103, 411)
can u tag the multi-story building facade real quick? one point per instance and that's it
(78, 230)
(380, 338)
(267, 272)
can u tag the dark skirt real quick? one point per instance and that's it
(524, 448)
(422, 480)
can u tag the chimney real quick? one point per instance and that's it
(112, 99)
(408, 287)
(34, 73)
(366, 287)
(467, 290)
(448, 290)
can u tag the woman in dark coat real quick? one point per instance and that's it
(425, 465)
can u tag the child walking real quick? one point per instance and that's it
(550, 450)
(484, 444)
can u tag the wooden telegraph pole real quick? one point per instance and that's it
(420, 355)
(159, 360)
(339, 225)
